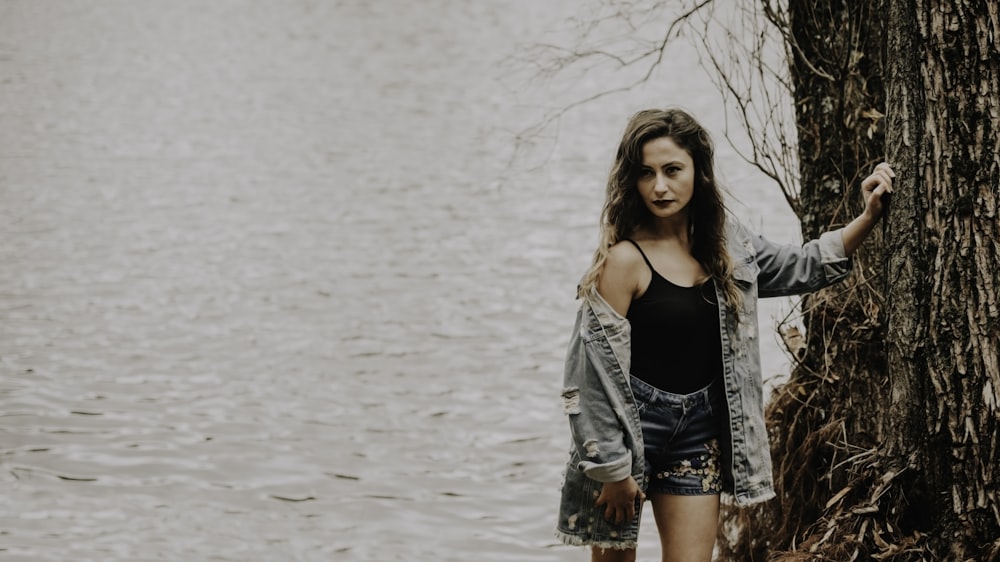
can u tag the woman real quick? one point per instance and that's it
(662, 383)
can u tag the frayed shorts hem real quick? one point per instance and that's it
(576, 540)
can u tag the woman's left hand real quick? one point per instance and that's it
(874, 187)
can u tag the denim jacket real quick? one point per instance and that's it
(603, 417)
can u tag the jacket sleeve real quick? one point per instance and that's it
(598, 438)
(787, 269)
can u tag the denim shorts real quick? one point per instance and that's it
(681, 437)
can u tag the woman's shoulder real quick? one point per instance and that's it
(624, 254)
(620, 278)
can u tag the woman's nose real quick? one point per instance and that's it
(661, 183)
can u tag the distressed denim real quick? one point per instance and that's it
(604, 422)
(680, 435)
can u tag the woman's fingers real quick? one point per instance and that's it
(884, 166)
(882, 176)
(619, 499)
(876, 188)
(619, 513)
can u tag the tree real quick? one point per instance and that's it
(943, 102)
(820, 446)
(885, 438)
(886, 435)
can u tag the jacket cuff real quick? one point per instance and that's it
(615, 471)
(836, 263)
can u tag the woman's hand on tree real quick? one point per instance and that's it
(874, 187)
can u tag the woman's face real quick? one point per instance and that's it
(666, 178)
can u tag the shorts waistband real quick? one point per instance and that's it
(651, 394)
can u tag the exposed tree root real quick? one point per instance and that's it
(837, 500)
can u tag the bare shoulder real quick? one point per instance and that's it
(620, 278)
(624, 256)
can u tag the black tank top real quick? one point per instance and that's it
(676, 344)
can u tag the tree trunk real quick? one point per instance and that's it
(944, 345)
(885, 439)
(836, 56)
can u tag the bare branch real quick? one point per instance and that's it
(738, 54)
(549, 60)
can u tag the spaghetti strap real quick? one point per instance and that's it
(643, 254)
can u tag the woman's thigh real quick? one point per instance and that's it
(687, 525)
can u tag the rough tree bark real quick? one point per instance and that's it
(885, 439)
(944, 346)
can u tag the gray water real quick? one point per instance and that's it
(275, 285)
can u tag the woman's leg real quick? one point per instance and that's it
(611, 555)
(687, 526)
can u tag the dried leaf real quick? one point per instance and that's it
(838, 496)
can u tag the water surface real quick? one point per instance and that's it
(275, 285)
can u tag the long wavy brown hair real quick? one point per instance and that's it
(624, 211)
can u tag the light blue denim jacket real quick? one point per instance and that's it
(604, 419)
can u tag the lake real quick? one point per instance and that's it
(280, 282)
